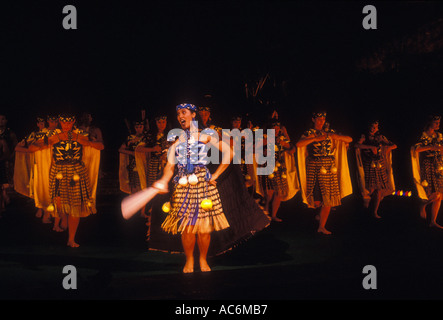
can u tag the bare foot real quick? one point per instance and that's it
(276, 219)
(204, 267)
(376, 216)
(436, 225)
(189, 266)
(73, 244)
(39, 213)
(46, 218)
(323, 230)
(58, 229)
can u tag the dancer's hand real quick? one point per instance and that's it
(213, 180)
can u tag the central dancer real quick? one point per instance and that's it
(195, 209)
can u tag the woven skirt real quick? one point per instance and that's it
(429, 172)
(278, 183)
(322, 186)
(154, 170)
(376, 177)
(186, 210)
(70, 196)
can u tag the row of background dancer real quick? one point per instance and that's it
(58, 168)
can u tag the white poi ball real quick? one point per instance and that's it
(334, 169)
(193, 180)
(183, 181)
(424, 183)
(59, 176)
(247, 177)
(50, 208)
(271, 176)
(75, 177)
(323, 170)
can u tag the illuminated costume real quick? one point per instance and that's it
(69, 176)
(323, 170)
(191, 186)
(427, 166)
(24, 163)
(231, 212)
(375, 170)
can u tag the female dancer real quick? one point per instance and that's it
(374, 163)
(202, 202)
(69, 181)
(282, 184)
(323, 168)
(24, 175)
(427, 167)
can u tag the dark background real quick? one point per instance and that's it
(126, 56)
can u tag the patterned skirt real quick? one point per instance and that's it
(322, 182)
(278, 182)
(376, 177)
(70, 189)
(429, 172)
(186, 210)
(154, 170)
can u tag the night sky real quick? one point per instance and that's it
(126, 56)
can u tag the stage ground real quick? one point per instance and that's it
(287, 261)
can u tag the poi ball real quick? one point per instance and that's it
(283, 176)
(275, 169)
(50, 208)
(89, 204)
(440, 168)
(373, 165)
(193, 180)
(166, 207)
(75, 177)
(206, 204)
(59, 176)
(183, 181)
(278, 164)
(271, 176)
(424, 183)
(323, 170)
(247, 177)
(334, 169)
(380, 165)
